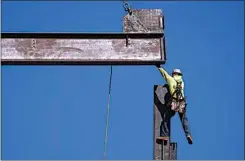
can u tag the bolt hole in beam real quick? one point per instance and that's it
(142, 42)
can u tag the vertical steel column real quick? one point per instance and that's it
(163, 148)
(173, 151)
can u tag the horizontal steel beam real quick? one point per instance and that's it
(142, 42)
(82, 48)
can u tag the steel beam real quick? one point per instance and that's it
(163, 148)
(142, 42)
(82, 48)
(173, 151)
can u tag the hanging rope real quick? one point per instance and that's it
(128, 9)
(107, 115)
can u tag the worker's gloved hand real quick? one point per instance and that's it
(158, 65)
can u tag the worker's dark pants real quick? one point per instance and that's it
(165, 126)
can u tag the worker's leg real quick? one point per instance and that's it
(165, 125)
(185, 123)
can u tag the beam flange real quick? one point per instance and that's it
(79, 35)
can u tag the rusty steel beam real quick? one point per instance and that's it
(163, 150)
(157, 155)
(84, 48)
(141, 43)
(144, 21)
(173, 151)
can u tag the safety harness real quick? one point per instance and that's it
(178, 92)
(179, 97)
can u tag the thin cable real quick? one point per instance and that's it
(107, 115)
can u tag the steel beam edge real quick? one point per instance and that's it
(83, 62)
(67, 35)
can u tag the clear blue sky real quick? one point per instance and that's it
(59, 112)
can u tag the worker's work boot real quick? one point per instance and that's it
(189, 138)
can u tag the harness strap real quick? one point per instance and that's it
(179, 93)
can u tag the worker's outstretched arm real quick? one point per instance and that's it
(164, 73)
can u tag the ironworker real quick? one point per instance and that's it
(177, 101)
